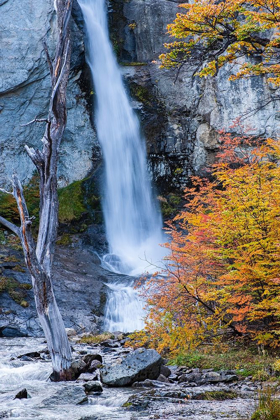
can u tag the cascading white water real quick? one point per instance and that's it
(133, 221)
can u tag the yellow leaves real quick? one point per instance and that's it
(226, 30)
(223, 270)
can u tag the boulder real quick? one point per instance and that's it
(86, 377)
(95, 364)
(78, 367)
(89, 358)
(23, 394)
(162, 378)
(164, 370)
(69, 394)
(139, 365)
(92, 387)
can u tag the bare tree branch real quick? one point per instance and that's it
(60, 75)
(40, 120)
(49, 61)
(10, 226)
(5, 191)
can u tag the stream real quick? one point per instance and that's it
(48, 400)
(66, 400)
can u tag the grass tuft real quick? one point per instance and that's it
(268, 406)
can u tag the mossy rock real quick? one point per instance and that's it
(79, 202)
(71, 202)
(141, 93)
(8, 205)
(16, 290)
(79, 199)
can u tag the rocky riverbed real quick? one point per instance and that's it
(152, 390)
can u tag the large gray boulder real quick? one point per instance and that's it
(136, 366)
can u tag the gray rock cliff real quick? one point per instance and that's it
(180, 119)
(25, 88)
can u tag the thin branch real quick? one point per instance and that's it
(178, 71)
(36, 156)
(10, 226)
(60, 76)
(5, 191)
(40, 120)
(48, 57)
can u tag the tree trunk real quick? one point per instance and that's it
(39, 257)
(53, 327)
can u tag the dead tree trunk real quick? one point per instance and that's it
(39, 256)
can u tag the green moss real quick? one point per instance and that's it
(244, 360)
(16, 290)
(217, 395)
(64, 240)
(79, 201)
(141, 93)
(170, 205)
(8, 205)
(127, 404)
(96, 339)
(133, 64)
(71, 205)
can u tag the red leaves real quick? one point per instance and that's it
(223, 270)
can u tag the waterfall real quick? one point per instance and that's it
(132, 218)
(133, 222)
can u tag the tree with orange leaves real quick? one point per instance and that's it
(222, 273)
(212, 33)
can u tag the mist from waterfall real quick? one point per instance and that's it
(132, 218)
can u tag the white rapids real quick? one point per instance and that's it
(132, 217)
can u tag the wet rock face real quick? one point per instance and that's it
(188, 113)
(180, 120)
(25, 89)
(75, 270)
(136, 366)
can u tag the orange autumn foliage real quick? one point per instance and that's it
(223, 271)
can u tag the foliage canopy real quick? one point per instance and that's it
(223, 270)
(212, 33)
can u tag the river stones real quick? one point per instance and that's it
(93, 387)
(165, 371)
(139, 365)
(86, 377)
(22, 394)
(69, 394)
(195, 377)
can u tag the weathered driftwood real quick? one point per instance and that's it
(39, 255)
